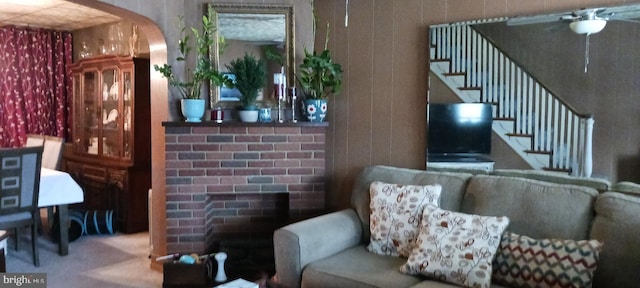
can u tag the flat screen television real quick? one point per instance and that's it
(459, 129)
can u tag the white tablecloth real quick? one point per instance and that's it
(58, 188)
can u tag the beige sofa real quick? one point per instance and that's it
(330, 250)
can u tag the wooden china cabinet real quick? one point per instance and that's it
(110, 151)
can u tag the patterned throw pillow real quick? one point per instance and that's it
(395, 215)
(525, 262)
(455, 247)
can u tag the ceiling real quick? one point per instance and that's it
(67, 16)
(51, 14)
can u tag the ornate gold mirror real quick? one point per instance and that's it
(260, 30)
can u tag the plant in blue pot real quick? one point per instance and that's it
(189, 85)
(250, 77)
(319, 76)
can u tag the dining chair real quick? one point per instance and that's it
(52, 152)
(19, 190)
(34, 140)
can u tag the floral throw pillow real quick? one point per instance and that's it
(395, 215)
(522, 261)
(455, 247)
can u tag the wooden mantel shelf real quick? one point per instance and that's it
(243, 124)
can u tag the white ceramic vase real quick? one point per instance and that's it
(248, 115)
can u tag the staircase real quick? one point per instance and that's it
(542, 129)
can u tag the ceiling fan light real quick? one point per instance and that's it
(587, 26)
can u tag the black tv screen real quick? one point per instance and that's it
(459, 129)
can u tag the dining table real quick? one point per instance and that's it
(59, 190)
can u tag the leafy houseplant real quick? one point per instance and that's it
(319, 76)
(194, 77)
(251, 76)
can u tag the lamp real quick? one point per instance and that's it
(589, 26)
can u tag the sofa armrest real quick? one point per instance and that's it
(300, 243)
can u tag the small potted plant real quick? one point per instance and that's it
(250, 76)
(319, 76)
(190, 86)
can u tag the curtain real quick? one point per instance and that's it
(35, 84)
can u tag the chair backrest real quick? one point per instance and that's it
(20, 179)
(34, 140)
(52, 152)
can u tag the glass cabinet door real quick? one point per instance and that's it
(88, 113)
(127, 140)
(111, 114)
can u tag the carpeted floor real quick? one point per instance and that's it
(119, 260)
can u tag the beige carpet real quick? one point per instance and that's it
(94, 261)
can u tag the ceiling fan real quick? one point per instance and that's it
(584, 21)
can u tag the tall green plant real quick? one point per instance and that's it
(194, 77)
(319, 75)
(250, 74)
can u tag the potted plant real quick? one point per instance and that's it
(319, 77)
(190, 86)
(250, 76)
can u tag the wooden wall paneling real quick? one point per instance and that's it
(382, 94)
(337, 132)
(409, 86)
(360, 50)
(495, 8)
(434, 12)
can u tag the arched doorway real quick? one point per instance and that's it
(160, 112)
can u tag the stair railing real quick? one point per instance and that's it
(555, 128)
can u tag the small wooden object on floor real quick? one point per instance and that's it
(3, 249)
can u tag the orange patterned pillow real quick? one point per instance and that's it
(395, 215)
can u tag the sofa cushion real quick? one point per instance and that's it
(555, 177)
(453, 187)
(356, 267)
(538, 209)
(617, 224)
(522, 261)
(456, 247)
(626, 187)
(396, 210)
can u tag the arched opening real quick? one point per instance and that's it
(160, 112)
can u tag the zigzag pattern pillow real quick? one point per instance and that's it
(525, 262)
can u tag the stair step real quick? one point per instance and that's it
(470, 88)
(538, 152)
(455, 74)
(503, 119)
(440, 60)
(519, 135)
(568, 171)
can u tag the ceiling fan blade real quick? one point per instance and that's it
(620, 12)
(525, 20)
(634, 14)
(626, 20)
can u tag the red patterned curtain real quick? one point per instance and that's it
(35, 85)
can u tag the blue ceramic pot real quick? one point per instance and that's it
(192, 109)
(315, 109)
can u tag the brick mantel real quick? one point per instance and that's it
(240, 180)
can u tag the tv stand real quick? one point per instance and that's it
(461, 162)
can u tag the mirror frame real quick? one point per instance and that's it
(287, 10)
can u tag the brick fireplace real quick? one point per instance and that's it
(236, 183)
